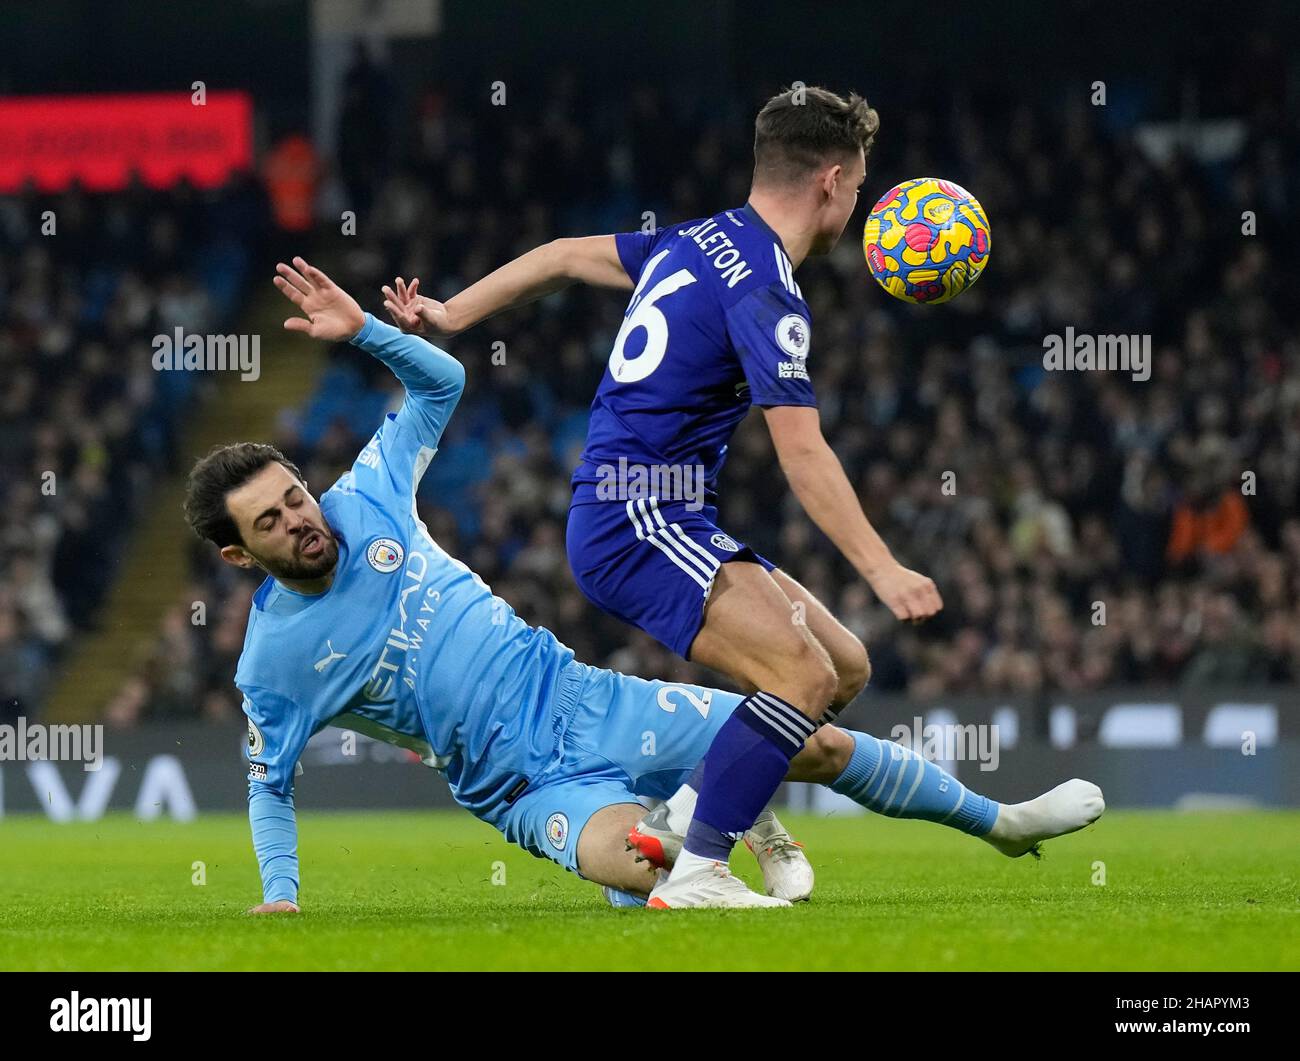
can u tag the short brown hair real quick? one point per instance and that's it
(801, 129)
(224, 469)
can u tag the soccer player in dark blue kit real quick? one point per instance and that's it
(717, 323)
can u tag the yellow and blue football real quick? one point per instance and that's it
(927, 240)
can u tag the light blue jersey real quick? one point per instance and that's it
(407, 644)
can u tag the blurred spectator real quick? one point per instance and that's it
(292, 173)
(1207, 521)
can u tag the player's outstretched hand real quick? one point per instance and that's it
(403, 305)
(281, 906)
(415, 313)
(329, 312)
(907, 594)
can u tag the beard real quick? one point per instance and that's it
(299, 568)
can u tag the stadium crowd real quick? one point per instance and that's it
(1085, 529)
(86, 424)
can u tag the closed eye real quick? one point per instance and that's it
(293, 498)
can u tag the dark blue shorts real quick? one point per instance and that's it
(651, 563)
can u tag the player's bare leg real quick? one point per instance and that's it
(750, 634)
(604, 858)
(848, 654)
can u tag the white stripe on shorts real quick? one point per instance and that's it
(664, 548)
(663, 535)
(711, 562)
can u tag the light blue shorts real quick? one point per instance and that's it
(624, 738)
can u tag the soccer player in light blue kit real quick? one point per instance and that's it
(365, 623)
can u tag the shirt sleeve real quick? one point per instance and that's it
(770, 331)
(275, 842)
(394, 460)
(278, 730)
(633, 250)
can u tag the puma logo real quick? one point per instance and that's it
(323, 663)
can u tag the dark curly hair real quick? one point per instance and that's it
(214, 476)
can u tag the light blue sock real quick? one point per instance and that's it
(895, 781)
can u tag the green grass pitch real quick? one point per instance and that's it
(416, 891)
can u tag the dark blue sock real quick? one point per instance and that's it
(742, 770)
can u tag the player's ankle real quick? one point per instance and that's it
(1007, 824)
(689, 863)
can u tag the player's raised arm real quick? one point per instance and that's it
(594, 260)
(434, 380)
(818, 481)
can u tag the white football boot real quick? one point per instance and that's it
(712, 887)
(1021, 827)
(787, 874)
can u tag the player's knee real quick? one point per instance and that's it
(824, 756)
(816, 678)
(797, 668)
(853, 671)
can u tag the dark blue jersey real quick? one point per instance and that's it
(716, 323)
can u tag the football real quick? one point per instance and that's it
(927, 240)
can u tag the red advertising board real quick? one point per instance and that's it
(101, 140)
